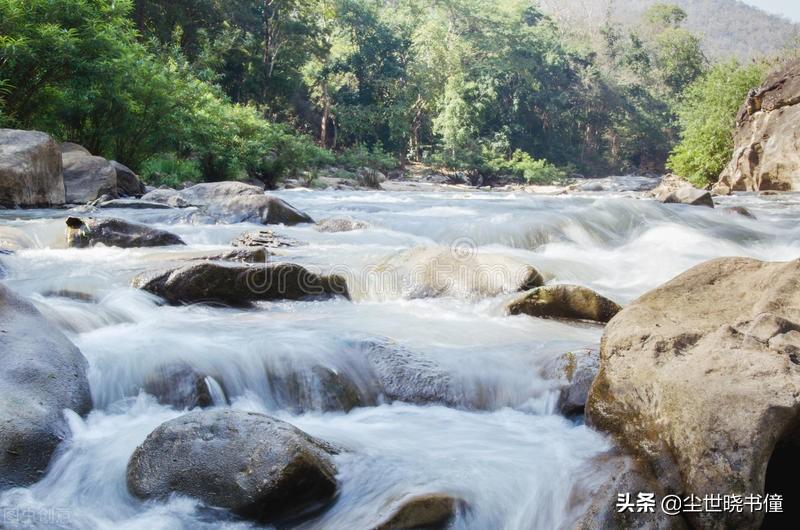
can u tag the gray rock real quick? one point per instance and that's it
(262, 209)
(217, 283)
(403, 375)
(30, 169)
(571, 302)
(251, 464)
(116, 233)
(578, 369)
(232, 202)
(241, 255)
(86, 178)
(132, 204)
(128, 183)
(72, 149)
(43, 374)
(691, 196)
(178, 385)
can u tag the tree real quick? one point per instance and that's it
(707, 117)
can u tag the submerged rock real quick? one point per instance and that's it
(178, 385)
(432, 511)
(238, 285)
(30, 169)
(571, 302)
(701, 378)
(340, 224)
(404, 375)
(578, 369)
(116, 233)
(429, 272)
(251, 464)
(43, 374)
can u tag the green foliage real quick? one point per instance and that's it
(707, 115)
(527, 168)
(360, 156)
(169, 170)
(76, 69)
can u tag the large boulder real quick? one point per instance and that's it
(128, 183)
(766, 152)
(30, 169)
(86, 178)
(251, 464)
(263, 209)
(570, 302)
(43, 374)
(241, 285)
(676, 190)
(116, 233)
(429, 272)
(621, 474)
(701, 378)
(232, 202)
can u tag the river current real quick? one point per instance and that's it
(502, 448)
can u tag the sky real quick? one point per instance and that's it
(788, 8)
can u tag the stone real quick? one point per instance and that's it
(690, 196)
(700, 378)
(578, 369)
(43, 374)
(571, 302)
(216, 283)
(263, 209)
(132, 204)
(404, 375)
(112, 232)
(128, 183)
(264, 238)
(178, 385)
(430, 272)
(432, 511)
(86, 178)
(254, 465)
(30, 170)
(766, 150)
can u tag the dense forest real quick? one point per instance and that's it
(209, 89)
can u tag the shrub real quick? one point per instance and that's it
(524, 166)
(707, 116)
(169, 170)
(361, 156)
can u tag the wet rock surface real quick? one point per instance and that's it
(253, 465)
(700, 377)
(43, 374)
(571, 302)
(116, 233)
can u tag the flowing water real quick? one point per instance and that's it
(499, 446)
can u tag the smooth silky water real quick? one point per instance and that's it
(502, 448)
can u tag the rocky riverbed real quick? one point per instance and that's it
(357, 359)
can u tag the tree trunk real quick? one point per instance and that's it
(326, 114)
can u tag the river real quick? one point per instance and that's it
(501, 447)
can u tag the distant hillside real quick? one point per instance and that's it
(730, 28)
